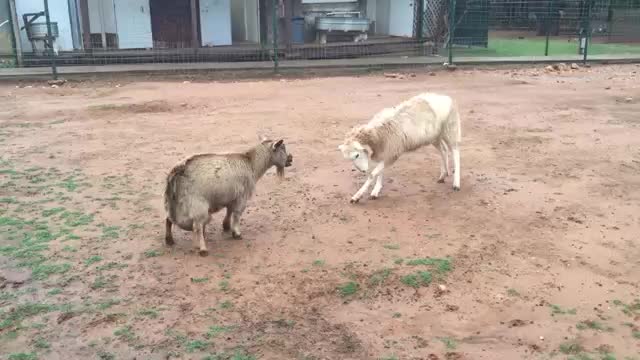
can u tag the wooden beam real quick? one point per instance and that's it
(194, 25)
(86, 28)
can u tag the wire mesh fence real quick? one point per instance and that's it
(121, 32)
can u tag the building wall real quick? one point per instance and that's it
(58, 11)
(238, 32)
(100, 10)
(215, 22)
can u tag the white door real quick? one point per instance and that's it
(133, 22)
(215, 22)
(401, 18)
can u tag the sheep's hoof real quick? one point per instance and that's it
(236, 235)
(373, 197)
(354, 201)
(226, 227)
(203, 253)
(456, 188)
(441, 181)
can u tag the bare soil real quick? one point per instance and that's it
(536, 257)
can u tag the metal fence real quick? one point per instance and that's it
(437, 31)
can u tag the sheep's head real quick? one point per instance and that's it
(279, 157)
(358, 153)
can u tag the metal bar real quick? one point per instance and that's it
(548, 28)
(194, 25)
(86, 25)
(452, 28)
(275, 35)
(54, 69)
(587, 37)
(16, 32)
(420, 24)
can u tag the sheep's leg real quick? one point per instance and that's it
(375, 194)
(456, 166)
(168, 236)
(367, 184)
(226, 223)
(444, 164)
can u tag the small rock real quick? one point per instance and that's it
(608, 88)
(186, 82)
(118, 85)
(58, 82)
(549, 68)
(54, 86)
(629, 99)
(442, 288)
(432, 74)
(575, 66)
(541, 338)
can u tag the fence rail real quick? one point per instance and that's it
(448, 30)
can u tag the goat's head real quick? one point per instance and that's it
(358, 153)
(279, 156)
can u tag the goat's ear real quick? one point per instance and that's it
(277, 144)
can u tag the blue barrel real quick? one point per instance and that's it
(297, 30)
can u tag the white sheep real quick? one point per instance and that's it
(422, 120)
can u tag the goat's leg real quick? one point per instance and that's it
(456, 166)
(237, 211)
(367, 184)
(198, 238)
(375, 194)
(226, 223)
(168, 236)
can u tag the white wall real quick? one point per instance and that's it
(383, 8)
(245, 20)
(104, 9)
(215, 22)
(58, 11)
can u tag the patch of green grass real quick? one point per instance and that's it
(217, 330)
(93, 259)
(21, 312)
(125, 333)
(199, 280)
(635, 334)
(420, 278)
(110, 232)
(224, 285)
(152, 253)
(379, 277)
(111, 266)
(396, 315)
(570, 348)
(54, 292)
(76, 218)
(8, 200)
(442, 266)
(631, 309)
(53, 211)
(102, 282)
(104, 305)
(196, 345)
(23, 356)
(558, 310)
(449, 343)
(150, 313)
(103, 355)
(318, 262)
(348, 289)
(41, 343)
(391, 246)
(593, 325)
(69, 248)
(226, 304)
(390, 357)
(398, 261)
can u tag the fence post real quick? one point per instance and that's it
(275, 35)
(587, 29)
(420, 20)
(452, 28)
(548, 26)
(54, 69)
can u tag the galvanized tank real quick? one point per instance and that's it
(39, 30)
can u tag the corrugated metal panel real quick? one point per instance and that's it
(133, 22)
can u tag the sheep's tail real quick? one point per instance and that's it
(172, 190)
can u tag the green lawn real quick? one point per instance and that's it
(535, 47)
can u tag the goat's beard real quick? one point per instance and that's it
(280, 172)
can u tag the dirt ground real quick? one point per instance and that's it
(536, 258)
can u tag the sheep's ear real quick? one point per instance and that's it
(341, 147)
(367, 149)
(278, 144)
(261, 137)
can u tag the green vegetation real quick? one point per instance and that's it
(502, 47)
(348, 289)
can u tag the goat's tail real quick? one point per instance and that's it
(172, 190)
(454, 128)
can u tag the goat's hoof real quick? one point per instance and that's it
(456, 188)
(203, 253)
(236, 235)
(169, 242)
(441, 181)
